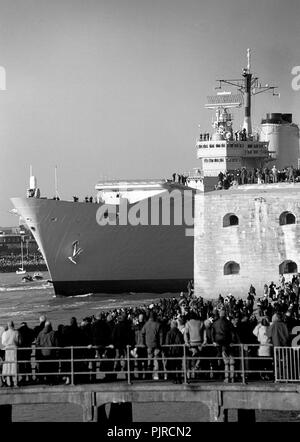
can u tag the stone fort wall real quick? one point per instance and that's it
(258, 243)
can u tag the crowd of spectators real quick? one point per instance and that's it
(257, 176)
(9, 263)
(179, 178)
(151, 337)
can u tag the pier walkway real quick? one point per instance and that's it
(218, 397)
(93, 384)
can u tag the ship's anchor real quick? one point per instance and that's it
(76, 252)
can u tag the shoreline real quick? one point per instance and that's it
(28, 267)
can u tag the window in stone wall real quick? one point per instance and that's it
(231, 268)
(287, 218)
(288, 266)
(230, 219)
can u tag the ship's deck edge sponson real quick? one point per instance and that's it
(72, 288)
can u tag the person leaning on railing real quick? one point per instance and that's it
(74, 337)
(101, 338)
(222, 331)
(278, 332)
(152, 334)
(47, 353)
(140, 348)
(174, 352)
(193, 337)
(122, 336)
(264, 350)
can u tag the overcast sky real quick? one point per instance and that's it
(116, 88)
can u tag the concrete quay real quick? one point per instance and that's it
(218, 397)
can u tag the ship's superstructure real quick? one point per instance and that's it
(282, 136)
(226, 149)
(137, 235)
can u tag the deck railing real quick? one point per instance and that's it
(179, 363)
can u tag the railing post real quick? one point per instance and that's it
(275, 363)
(128, 365)
(72, 365)
(243, 364)
(16, 359)
(184, 365)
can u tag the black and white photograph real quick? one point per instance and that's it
(150, 214)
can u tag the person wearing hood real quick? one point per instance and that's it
(278, 332)
(193, 337)
(47, 351)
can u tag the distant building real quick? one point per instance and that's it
(10, 241)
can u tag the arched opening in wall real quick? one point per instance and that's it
(230, 219)
(288, 267)
(231, 268)
(287, 218)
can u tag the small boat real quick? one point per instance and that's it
(27, 278)
(37, 276)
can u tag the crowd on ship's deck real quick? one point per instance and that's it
(262, 175)
(208, 328)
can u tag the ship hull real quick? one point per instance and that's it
(114, 258)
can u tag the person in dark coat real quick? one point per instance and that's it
(101, 334)
(153, 338)
(174, 353)
(208, 350)
(122, 336)
(244, 331)
(140, 347)
(279, 336)
(74, 338)
(25, 340)
(47, 344)
(222, 333)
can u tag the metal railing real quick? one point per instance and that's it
(287, 364)
(179, 363)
